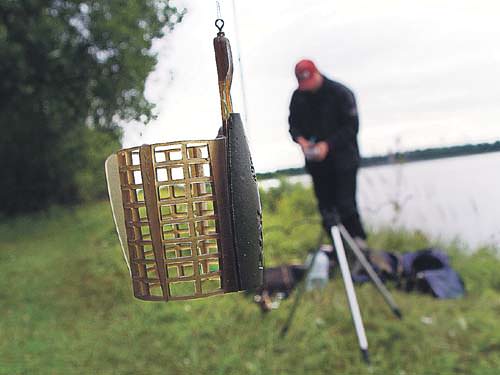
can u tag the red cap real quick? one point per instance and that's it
(307, 74)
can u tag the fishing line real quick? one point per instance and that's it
(240, 63)
(218, 12)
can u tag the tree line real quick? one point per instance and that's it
(71, 71)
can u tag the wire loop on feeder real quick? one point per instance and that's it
(219, 24)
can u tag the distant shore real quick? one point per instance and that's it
(403, 157)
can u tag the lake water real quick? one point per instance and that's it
(453, 198)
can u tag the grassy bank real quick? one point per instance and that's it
(67, 307)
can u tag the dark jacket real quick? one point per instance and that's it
(329, 114)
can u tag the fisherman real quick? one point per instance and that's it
(324, 122)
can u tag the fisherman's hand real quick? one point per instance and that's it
(321, 149)
(304, 143)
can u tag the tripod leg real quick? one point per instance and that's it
(351, 295)
(298, 296)
(370, 271)
(288, 323)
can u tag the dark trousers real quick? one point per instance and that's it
(336, 190)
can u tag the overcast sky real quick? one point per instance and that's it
(425, 73)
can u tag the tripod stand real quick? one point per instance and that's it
(338, 231)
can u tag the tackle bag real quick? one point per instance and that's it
(429, 271)
(279, 282)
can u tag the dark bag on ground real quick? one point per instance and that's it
(388, 266)
(282, 279)
(427, 271)
(279, 282)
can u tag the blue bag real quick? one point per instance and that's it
(429, 271)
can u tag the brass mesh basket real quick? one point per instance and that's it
(174, 210)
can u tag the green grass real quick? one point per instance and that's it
(66, 307)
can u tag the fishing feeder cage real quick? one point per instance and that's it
(188, 213)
